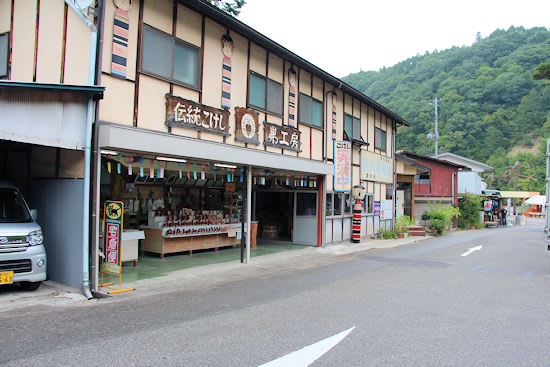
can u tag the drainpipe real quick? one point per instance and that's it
(87, 154)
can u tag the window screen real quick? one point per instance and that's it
(306, 204)
(257, 91)
(338, 203)
(186, 61)
(356, 129)
(348, 125)
(379, 139)
(329, 204)
(304, 111)
(4, 39)
(274, 97)
(317, 113)
(157, 53)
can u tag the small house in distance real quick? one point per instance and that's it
(438, 185)
(469, 180)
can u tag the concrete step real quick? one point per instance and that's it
(416, 231)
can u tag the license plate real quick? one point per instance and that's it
(6, 277)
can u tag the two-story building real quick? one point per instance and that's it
(207, 129)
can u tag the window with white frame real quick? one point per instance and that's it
(265, 94)
(4, 54)
(379, 139)
(310, 111)
(169, 58)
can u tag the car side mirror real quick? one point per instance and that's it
(34, 214)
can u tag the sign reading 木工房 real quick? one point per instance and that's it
(342, 166)
(191, 115)
(284, 137)
(375, 167)
(112, 220)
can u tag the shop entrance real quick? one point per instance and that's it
(274, 212)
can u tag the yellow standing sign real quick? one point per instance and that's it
(112, 220)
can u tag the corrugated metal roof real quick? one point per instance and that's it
(96, 90)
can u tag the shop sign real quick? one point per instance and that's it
(488, 205)
(112, 221)
(375, 167)
(386, 209)
(342, 166)
(376, 210)
(246, 126)
(284, 137)
(191, 115)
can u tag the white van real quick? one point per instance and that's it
(22, 252)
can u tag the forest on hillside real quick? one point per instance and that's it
(490, 109)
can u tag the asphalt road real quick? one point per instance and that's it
(422, 305)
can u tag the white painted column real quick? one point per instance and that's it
(248, 211)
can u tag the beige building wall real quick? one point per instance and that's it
(77, 52)
(24, 32)
(5, 16)
(50, 42)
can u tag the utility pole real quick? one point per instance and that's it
(436, 134)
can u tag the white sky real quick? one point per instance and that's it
(345, 36)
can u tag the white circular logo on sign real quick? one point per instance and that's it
(248, 126)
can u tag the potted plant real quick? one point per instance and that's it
(402, 224)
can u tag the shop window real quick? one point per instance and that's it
(423, 178)
(348, 203)
(169, 58)
(380, 139)
(329, 210)
(306, 204)
(265, 94)
(310, 111)
(352, 127)
(4, 54)
(338, 198)
(368, 204)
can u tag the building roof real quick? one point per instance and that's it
(426, 157)
(207, 9)
(467, 162)
(95, 90)
(412, 162)
(518, 194)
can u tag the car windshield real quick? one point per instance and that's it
(12, 207)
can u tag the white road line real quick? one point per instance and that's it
(472, 249)
(307, 355)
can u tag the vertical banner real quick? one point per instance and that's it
(376, 209)
(227, 50)
(333, 121)
(292, 81)
(112, 220)
(342, 166)
(120, 43)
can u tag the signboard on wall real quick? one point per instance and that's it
(191, 115)
(342, 166)
(284, 137)
(376, 167)
(376, 210)
(112, 220)
(386, 209)
(247, 128)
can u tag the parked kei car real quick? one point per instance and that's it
(22, 252)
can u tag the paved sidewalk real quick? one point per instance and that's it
(52, 294)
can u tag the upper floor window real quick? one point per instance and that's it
(352, 127)
(423, 178)
(265, 94)
(4, 54)
(169, 58)
(380, 139)
(310, 111)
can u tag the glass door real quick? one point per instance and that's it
(305, 218)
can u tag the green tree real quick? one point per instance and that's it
(232, 7)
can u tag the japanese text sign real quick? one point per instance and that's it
(376, 167)
(246, 127)
(112, 219)
(284, 137)
(376, 210)
(191, 115)
(386, 209)
(342, 166)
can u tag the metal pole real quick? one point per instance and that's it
(547, 211)
(436, 130)
(248, 211)
(244, 209)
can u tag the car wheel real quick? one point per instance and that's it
(30, 286)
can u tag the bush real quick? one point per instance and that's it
(438, 225)
(470, 206)
(387, 234)
(402, 222)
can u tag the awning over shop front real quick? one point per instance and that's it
(131, 139)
